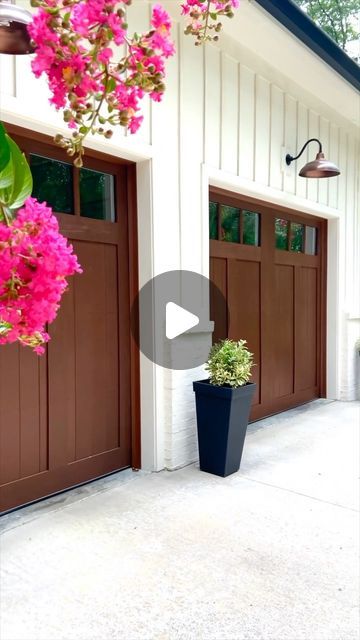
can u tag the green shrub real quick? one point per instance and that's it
(229, 363)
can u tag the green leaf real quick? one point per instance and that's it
(4, 148)
(6, 177)
(110, 85)
(21, 187)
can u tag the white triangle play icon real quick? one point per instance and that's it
(178, 320)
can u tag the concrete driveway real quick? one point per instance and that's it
(269, 553)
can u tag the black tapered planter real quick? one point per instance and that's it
(222, 418)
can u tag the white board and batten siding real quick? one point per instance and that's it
(232, 114)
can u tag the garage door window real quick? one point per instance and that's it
(53, 183)
(281, 234)
(97, 195)
(311, 241)
(84, 192)
(295, 237)
(231, 224)
(251, 228)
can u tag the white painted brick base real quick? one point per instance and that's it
(181, 446)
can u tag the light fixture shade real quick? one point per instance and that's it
(319, 168)
(14, 37)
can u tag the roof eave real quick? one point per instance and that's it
(298, 22)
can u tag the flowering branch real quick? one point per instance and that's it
(203, 17)
(35, 259)
(75, 41)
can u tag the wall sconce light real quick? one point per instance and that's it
(14, 37)
(318, 168)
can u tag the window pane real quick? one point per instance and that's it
(53, 183)
(213, 221)
(97, 195)
(297, 237)
(310, 241)
(230, 224)
(281, 233)
(250, 228)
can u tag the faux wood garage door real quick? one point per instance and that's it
(71, 415)
(270, 265)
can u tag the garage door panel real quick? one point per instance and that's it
(62, 387)
(218, 313)
(49, 482)
(244, 303)
(10, 426)
(306, 329)
(23, 440)
(283, 331)
(97, 350)
(33, 444)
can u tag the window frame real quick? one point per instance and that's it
(93, 162)
(269, 212)
(241, 210)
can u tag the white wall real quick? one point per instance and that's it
(226, 118)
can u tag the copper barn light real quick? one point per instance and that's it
(318, 168)
(14, 37)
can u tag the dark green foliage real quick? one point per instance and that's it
(336, 17)
(53, 183)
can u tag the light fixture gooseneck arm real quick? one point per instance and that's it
(289, 159)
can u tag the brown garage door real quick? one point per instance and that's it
(270, 265)
(68, 416)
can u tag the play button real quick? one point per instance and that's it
(170, 319)
(178, 320)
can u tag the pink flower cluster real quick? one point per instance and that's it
(75, 41)
(203, 17)
(35, 260)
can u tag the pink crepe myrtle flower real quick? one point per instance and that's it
(160, 19)
(74, 48)
(105, 55)
(35, 262)
(135, 123)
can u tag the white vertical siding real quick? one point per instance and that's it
(333, 154)
(314, 132)
(229, 114)
(291, 143)
(212, 135)
(231, 117)
(246, 123)
(325, 140)
(262, 130)
(165, 173)
(302, 136)
(191, 150)
(139, 16)
(276, 137)
(343, 164)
